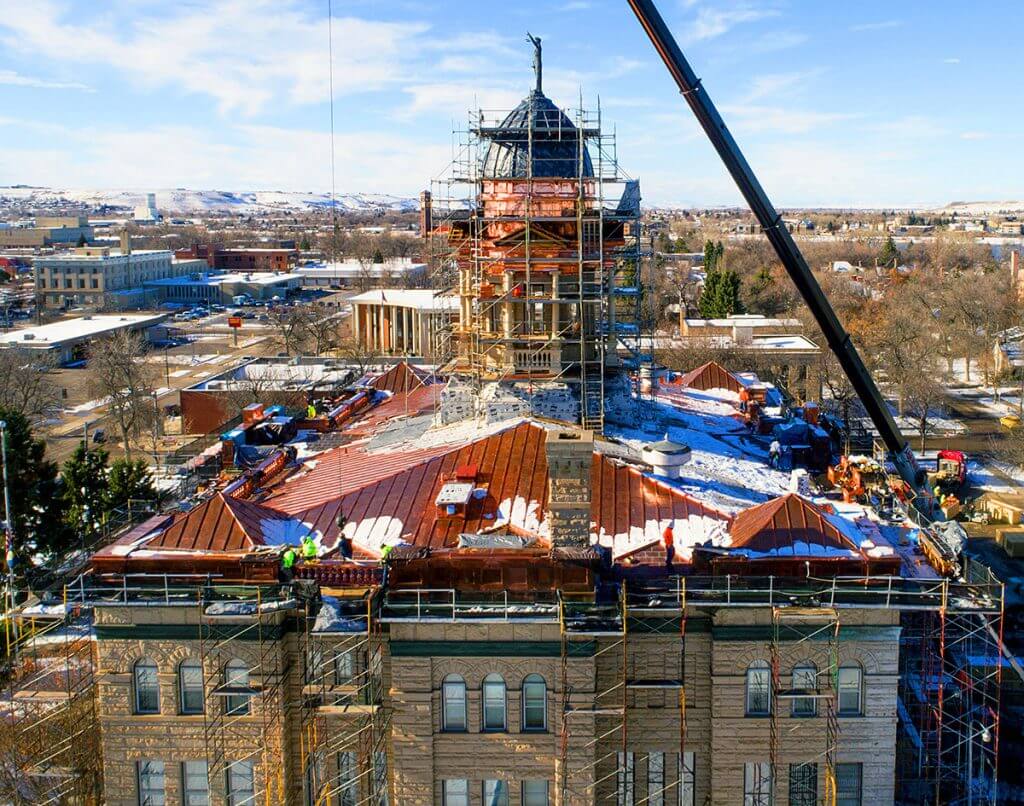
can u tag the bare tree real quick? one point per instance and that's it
(121, 375)
(323, 328)
(290, 327)
(26, 382)
(354, 352)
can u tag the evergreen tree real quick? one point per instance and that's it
(81, 241)
(33, 486)
(378, 256)
(890, 255)
(707, 304)
(304, 245)
(129, 481)
(85, 492)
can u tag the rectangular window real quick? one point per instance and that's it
(314, 779)
(348, 785)
(757, 783)
(535, 793)
(848, 784)
(454, 705)
(687, 779)
(150, 777)
(190, 681)
(656, 779)
(803, 784)
(344, 668)
(241, 783)
(758, 690)
(625, 783)
(805, 678)
(195, 784)
(455, 792)
(380, 777)
(495, 793)
(849, 690)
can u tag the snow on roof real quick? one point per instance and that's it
(743, 320)
(212, 279)
(421, 299)
(83, 327)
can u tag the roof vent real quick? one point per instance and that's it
(666, 457)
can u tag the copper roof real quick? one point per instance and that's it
(711, 375)
(221, 523)
(791, 526)
(400, 378)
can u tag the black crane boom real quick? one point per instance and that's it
(788, 252)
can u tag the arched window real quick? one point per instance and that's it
(236, 683)
(535, 703)
(805, 678)
(190, 687)
(453, 703)
(147, 687)
(758, 689)
(494, 703)
(851, 685)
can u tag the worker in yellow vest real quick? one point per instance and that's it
(288, 564)
(308, 548)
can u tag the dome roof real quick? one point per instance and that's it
(554, 139)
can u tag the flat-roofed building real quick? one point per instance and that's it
(361, 274)
(48, 231)
(104, 277)
(206, 287)
(69, 337)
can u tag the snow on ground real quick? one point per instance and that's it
(728, 469)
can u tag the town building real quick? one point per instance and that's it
(353, 273)
(242, 259)
(403, 322)
(68, 339)
(48, 231)
(775, 347)
(147, 213)
(203, 288)
(104, 277)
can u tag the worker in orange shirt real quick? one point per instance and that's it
(744, 399)
(668, 536)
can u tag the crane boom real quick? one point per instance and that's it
(789, 254)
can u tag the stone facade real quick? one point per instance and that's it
(404, 735)
(570, 457)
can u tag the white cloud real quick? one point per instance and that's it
(953, 60)
(753, 118)
(974, 136)
(13, 79)
(771, 85)
(243, 53)
(876, 26)
(712, 22)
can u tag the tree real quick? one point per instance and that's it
(121, 375)
(26, 383)
(129, 481)
(890, 254)
(81, 241)
(721, 295)
(304, 244)
(34, 488)
(84, 493)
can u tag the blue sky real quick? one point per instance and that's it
(835, 103)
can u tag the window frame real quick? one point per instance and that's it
(808, 788)
(625, 779)
(527, 798)
(454, 683)
(197, 665)
(656, 779)
(529, 682)
(237, 704)
(859, 671)
(857, 798)
(148, 664)
(494, 682)
(188, 793)
(145, 796)
(499, 796)
(804, 707)
(757, 783)
(232, 795)
(455, 798)
(347, 784)
(687, 778)
(757, 668)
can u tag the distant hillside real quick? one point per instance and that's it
(197, 202)
(982, 207)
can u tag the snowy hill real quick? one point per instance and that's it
(195, 202)
(982, 208)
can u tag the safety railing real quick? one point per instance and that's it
(447, 604)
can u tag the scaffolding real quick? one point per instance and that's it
(241, 637)
(50, 746)
(544, 256)
(809, 639)
(344, 730)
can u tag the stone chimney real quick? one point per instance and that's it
(126, 242)
(426, 214)
(569, 455)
